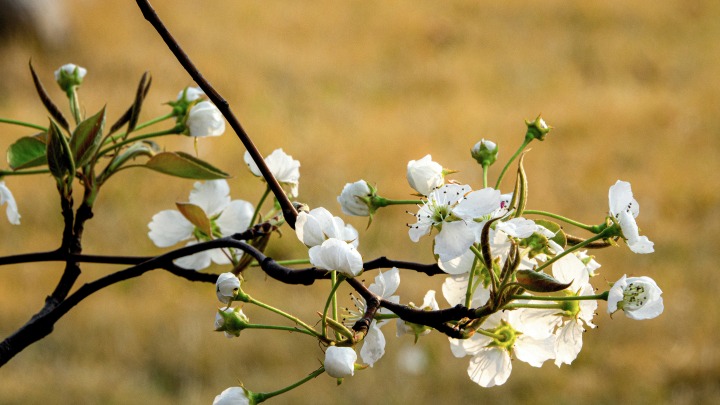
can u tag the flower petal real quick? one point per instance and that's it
(168, 228)
(490, 367)
(235, 217)
(212, 196)
(374, 345)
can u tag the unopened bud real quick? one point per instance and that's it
(485, 152)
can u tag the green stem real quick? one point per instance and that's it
(23, 124)
(171, 131)
(383, 202)
(490, 334)
(74, 104)
(586, 227)
(485, 175)
(470, 288)
(331, 300)
(264, 396)
(507, 165)
(284, 314)
(603, 296)
(493, 276)
(259, 205)
(22, 173)
(601, 235)
(277, 327)
(139, 127)
(533, 306)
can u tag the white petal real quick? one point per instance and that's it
(490, 367)
(641, 245)
(11, 210)
(518, 227)
(235, 217)
(459, 265)
(386, 283)
(251, 164)
(335, 254)
(454, 239)
(168, 228)
(570, 269)
(615, 295)
(568, 343)
(621, 199)
(197, 261)
(340, 361)
(534, 351)
(374, 345)
(478, 203)
(455, 287)
(212, 196)
(232, 396)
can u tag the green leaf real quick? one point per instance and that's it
(538, 281)
(59, 156)
(28, 151)
(560, 238)
(86, 138)
(186, 166)
(135, 150)
(196, 216)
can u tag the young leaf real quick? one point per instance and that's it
(538, 281)
(196, 216)
(186, 166)
(86, 138)
(28, 151)
(47, 102)
(131, 115)
(135, 150)
(59, 156)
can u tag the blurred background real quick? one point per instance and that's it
(355, 90)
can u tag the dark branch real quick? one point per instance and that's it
(149, 13)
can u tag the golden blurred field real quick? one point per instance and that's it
(355, 90)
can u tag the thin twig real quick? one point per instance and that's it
(149, 13)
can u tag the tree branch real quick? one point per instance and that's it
(151, 16)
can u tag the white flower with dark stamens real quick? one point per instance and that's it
(318, 225)
(638, 297)
(491, 363)
(335, 254)
(384, 287)
(340, 361)
(11, 210)
(424, 175)
(351, 199)
(453, 209)
(282, 166)
(625, 209)
(226, 217)
(226, 287)
(204, 119)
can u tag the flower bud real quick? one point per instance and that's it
(69, 76)
(485, 152)
(231, 321)
(356, 199)
(340, 361)
(227, 287)
(204, 119)
(536, 129)
(190, 94)
(235, 396)
(424, 175)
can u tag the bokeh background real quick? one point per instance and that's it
(355, 90)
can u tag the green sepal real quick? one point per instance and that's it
(183, 165)
(560, 238)
(28, 151)
(538, 281)
(87, 138)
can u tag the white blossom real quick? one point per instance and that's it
(233, 396)
(424, 175)
(283, 167)
(384, 287)
(340, 361)
(335, 254)
(625, 209)
(190, 94)
(204, 119)
(318, 225)
(226, 287)
(350, 198)
(227, 217)
(638, 297)
(11, 210)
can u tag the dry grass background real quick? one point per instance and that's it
(355, 90)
